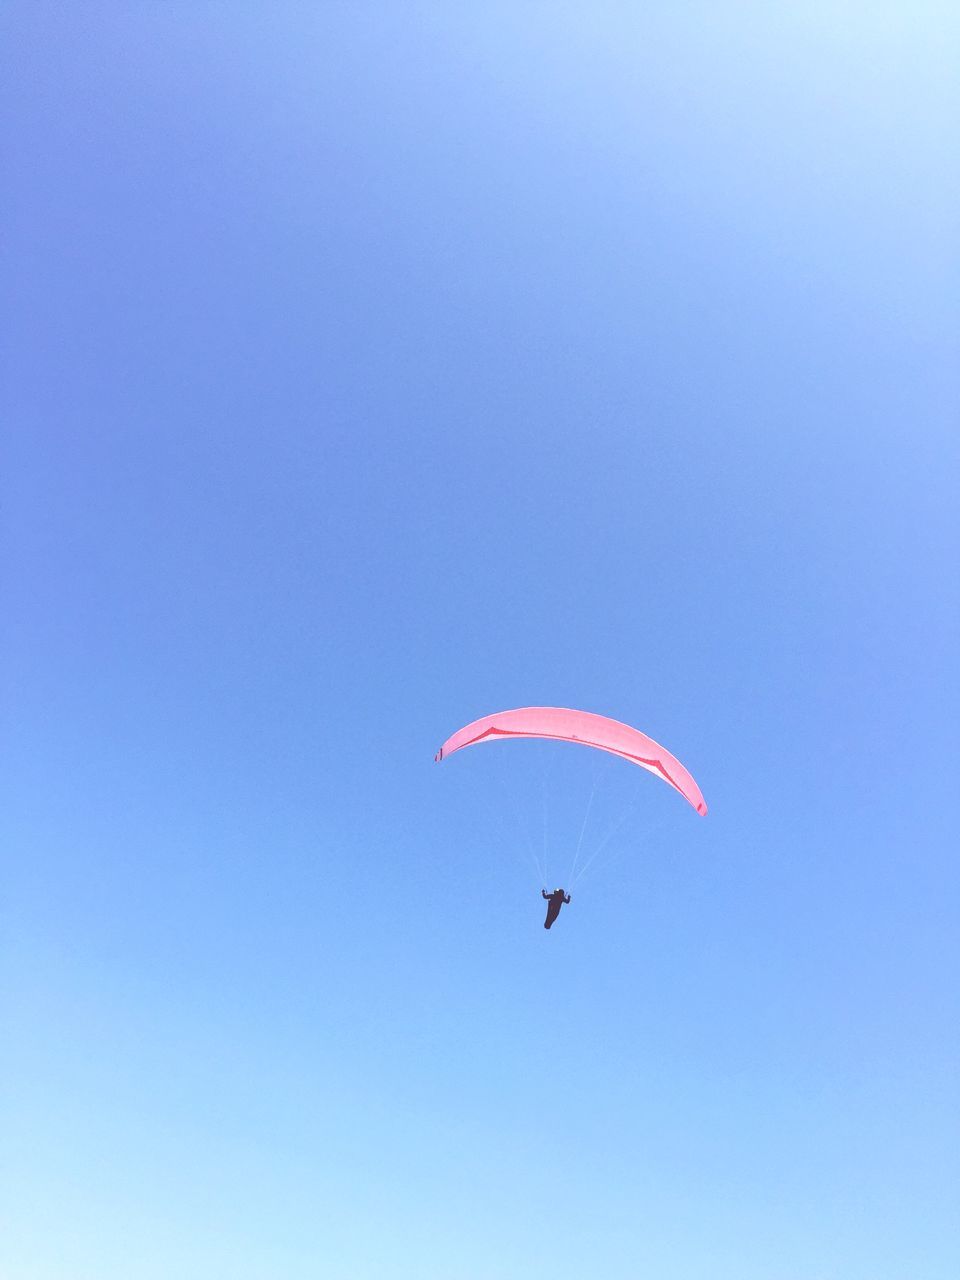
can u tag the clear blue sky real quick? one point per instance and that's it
(367, 368)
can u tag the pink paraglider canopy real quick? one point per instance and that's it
(587, 728)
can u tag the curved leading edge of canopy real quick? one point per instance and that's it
(584, 727)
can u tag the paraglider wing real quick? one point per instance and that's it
(587, 728)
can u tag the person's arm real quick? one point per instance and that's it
(566, 897)
(544, 894)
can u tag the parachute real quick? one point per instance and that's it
(585, 727)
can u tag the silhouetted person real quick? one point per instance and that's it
(555, 901)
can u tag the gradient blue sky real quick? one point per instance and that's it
(367, 368)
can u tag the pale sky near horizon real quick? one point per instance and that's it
(369, 368)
